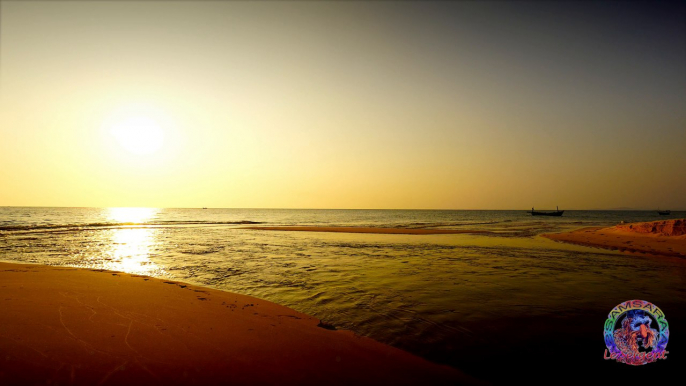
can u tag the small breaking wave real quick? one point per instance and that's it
(449, 224)
(105, 225)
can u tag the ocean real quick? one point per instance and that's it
(508, 298)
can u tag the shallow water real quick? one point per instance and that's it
(464, 300)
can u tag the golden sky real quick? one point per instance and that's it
(342, 105)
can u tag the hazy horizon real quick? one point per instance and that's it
(429, 105)
(388, 209)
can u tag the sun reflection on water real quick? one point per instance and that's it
(130, 248)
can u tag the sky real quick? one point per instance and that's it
(379, 105)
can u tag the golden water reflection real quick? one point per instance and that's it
(129, 248)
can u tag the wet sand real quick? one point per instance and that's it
(399, 231)
(665, 238)
(85, 327)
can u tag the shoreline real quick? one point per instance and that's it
(649, 238)
(79, 326)
(399, 231)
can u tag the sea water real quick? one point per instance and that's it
(466, 300)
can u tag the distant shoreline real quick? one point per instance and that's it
(665, 238)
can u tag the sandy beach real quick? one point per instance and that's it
(666, 238)
(87, 327)
(399, 231)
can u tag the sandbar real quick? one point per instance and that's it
(665, 238)
(61, 325)
(399, 231)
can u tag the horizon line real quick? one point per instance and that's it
(274, 208)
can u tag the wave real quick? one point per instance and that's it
(98, 225)
(449, 224)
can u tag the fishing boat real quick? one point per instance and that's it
(557, 212)
(664, 212)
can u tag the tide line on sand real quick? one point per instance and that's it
(401, 231)
(85, 327)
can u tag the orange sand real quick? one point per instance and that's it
(399, 231)
(84, 327)
(664, 238)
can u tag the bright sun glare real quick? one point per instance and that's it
(138, 134)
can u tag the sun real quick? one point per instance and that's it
(138, 134)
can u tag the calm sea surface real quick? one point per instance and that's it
(471, 301)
